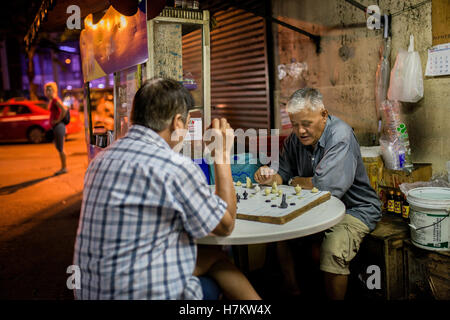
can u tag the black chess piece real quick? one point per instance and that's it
(283, 203)
(238, 197)
(245, 194)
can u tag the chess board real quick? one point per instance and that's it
(259, 207)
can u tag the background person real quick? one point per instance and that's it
(57, 113)
(323, 152)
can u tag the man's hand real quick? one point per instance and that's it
(264, 175)
(223, 140)
(304, 182)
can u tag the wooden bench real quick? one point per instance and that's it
(383, 247)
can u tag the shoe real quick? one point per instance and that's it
(62, 171)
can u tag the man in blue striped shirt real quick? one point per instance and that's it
(323, 152)
(145, 204)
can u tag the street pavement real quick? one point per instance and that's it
(39, 217)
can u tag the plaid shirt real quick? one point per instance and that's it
(143, 206)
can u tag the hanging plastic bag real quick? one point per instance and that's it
(406, 82)
(394, 141)
(382, 76)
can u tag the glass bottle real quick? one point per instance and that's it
(398, 199)
(391, 202)
(405, 209)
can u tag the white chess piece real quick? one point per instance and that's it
(249, 183)
(314, 190)
(274, 187)
(298, 189)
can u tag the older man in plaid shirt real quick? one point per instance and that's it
(144, 205)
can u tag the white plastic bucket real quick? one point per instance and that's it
(429, 217)
(448, 170)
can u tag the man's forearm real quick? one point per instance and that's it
(225, 186)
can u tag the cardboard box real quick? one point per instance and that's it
(374, 167)
(394, 178)
(382, 179)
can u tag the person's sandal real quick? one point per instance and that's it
(62, 171)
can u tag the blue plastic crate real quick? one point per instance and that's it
(242, 167)
(205, 168)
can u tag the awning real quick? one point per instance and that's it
(52, 15)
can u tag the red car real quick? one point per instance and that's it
(26, 119)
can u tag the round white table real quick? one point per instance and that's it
(315, 220)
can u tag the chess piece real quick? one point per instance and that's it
(238, 183)
(274, 187)
(314, 190)
(283, 203)
(267, 191)
(298, 189)
(249, 183)
(238, 197)
(245, 194)
(257, 189)
(280, 192)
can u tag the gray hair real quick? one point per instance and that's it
(305, 98)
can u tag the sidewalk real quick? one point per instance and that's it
(39, 218)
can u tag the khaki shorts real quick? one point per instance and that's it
(340, 245)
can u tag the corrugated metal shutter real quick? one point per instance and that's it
(239, 71)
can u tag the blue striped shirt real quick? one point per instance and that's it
(143, 207)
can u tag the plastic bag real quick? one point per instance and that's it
(394, 142)
(393, 154)
(437, 183)
(382, 75)
(406, 83)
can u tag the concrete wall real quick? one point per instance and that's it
(344, 70)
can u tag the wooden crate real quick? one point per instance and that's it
(383, 247)
(427, 273)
